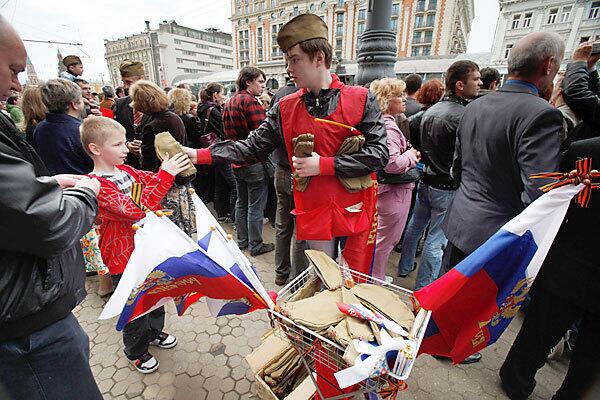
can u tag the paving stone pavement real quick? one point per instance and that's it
(209, 360)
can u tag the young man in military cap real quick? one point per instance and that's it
(74, 68)
(133, 121)
(332, 161)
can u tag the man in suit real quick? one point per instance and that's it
(503, 138)
(132, 121)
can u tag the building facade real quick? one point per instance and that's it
(171, 52)
(422, 27)
(575, 21)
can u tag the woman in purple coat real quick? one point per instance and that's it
(396, 181)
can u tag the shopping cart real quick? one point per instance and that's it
(314, 348)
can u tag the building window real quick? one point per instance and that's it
(430, 20)
(420, 5)
(177, 41)
(566, 14)
(361, 27)
(259, 43)
(432, 5)
(595, 10)
(273, 3)
(394, 24)
(414, 51)
(339, 30)
(276, 53)
(296, 11)
(338, 44)
(179, 60)
(313, 8)
(507, 50)
(428, 37)
(362, 14)
(340, 18)
(426, 50)
(419, 21)
(395, 9)
(515, 22)
(340, 3)
(417, 37)
(527, 20)
(323, 5)
(552, 15)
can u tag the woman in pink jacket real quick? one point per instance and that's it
(394, 199)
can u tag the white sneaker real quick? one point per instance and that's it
(146, 364)
(164, 341)
(388, 279)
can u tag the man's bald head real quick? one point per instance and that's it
(528, 56)
(13, 59)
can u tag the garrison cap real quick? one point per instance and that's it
(300, 29)
(70, 60)
(131, 68)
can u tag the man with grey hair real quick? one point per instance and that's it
(57, 137)
(44, 352)
(504, 138)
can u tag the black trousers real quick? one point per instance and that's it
(138, 334)
(452, 256)
(548, 318)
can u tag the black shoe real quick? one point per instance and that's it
(398, 248)
(264, 248)
(243, 247)
(281, 280)
(471, 359)
(405, 275)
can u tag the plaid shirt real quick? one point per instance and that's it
(243, 113)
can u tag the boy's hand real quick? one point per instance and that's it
(307, 166)
(176, 164)
(90, 183)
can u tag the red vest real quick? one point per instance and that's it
(321, 210)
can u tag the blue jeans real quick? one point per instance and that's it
(252, 190)
(430, 208)
(50, 364)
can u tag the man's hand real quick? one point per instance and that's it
(67, 180)
(90, 183)
(416, 154)
(191, 153)
(307, 166)
(175, 165)
(583, 52)
(134, 146)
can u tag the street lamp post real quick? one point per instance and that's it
(377, 51)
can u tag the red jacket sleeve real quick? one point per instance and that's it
(115, 205)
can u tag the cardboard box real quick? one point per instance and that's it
(273, 345)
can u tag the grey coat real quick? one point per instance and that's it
(503, 138)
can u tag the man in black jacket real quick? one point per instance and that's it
(565, 291)
(436, 189)
(581, 90)
(44, 353)
(132, 121)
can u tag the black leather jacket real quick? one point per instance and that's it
(438, 138)
(41, 265)
(581, 91)
(268, 136)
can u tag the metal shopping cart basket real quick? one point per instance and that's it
(314, 348)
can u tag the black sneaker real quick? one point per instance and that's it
(264, 248)
(146, 364)
(408, 273)
(164, 341)
(280, 280)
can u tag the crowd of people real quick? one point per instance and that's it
(352, 171)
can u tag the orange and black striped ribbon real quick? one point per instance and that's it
(583, 173)
(136, 195)
(394, 387)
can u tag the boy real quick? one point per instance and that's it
(104, 140)
(331, 208)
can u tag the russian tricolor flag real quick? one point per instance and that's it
(474, 303)
(166, 264)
